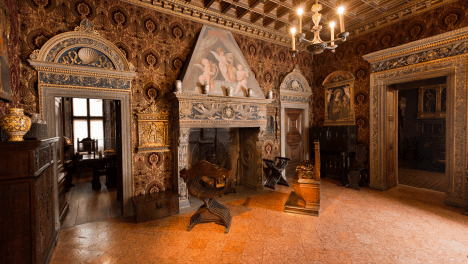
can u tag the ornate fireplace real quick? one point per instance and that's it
(231, 127)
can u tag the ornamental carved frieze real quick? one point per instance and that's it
(84, 81)
(425, 56)
(220, 111)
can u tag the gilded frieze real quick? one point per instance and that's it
(84, 81)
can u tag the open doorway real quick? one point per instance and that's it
(92, 164)
(421, 133)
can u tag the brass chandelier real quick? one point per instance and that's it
(317, 45)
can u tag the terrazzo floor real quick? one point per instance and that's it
(402, 225)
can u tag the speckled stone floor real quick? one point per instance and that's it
(402, 225)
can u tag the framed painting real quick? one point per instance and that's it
(5, 88)
(432, 101)
(339, 101)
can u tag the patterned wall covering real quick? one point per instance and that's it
(157, 44)
(13, 52)
(348, 56)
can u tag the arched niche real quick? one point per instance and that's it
(295, 93)
(81, 63)
(339, 99)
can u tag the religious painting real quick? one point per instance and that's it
(339, 103)
(432, 101)
(5, 89)
(218, 63)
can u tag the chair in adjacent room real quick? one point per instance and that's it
(275, 176)
(207, 182)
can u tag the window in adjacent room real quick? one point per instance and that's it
(88, 120)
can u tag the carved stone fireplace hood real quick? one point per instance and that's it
(218, 62)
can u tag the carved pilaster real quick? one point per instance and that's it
(182, 135)
(259, 165)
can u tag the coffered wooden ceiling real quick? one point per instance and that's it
(273, 18)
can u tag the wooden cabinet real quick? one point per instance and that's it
(27, 214)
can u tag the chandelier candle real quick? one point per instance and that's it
(340, 14)
(293, 32)
(299, 12)
(332, 31)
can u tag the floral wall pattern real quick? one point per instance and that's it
(348, 57)
(157, 44)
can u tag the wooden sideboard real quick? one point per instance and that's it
(27, 214)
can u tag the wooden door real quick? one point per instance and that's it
(118, 152)
(391, 147)
(294, 138)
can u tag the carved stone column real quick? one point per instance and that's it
(183, 137)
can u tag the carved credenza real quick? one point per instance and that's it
(27, 214)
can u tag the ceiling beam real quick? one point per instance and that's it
(281, 11)
(269, 6)
(208, 3)
(254, 3)
(240, 12)
(374, 5)
(224, 7)
(267, 21)
(279, 25)
(254, 17)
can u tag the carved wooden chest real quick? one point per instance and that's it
(153, 206)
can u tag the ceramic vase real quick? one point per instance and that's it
(15, 124)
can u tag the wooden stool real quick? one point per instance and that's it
(202, 181)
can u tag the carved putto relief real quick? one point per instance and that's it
(218, 62)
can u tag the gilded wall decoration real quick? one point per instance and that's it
(153, 129)
(134, 30)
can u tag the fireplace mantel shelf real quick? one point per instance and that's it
(218, 98)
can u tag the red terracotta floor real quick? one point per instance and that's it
(403, 225)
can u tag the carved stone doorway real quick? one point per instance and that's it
(439, 56)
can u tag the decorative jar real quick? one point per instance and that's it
(15, 124)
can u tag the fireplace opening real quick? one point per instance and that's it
(230, 148)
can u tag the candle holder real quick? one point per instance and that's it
(317, 45)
